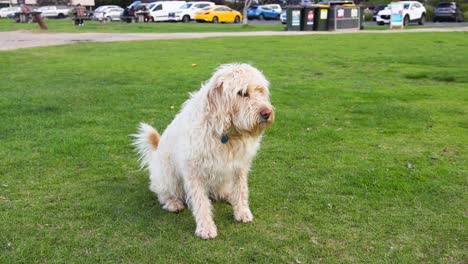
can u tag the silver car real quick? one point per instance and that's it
(108, 14)
(283, 17)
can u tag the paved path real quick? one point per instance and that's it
(26, 39)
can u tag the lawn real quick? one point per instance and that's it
(66, 25)
(366, 163)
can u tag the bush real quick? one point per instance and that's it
(368, 16)
(429, 13)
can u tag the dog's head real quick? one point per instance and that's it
(239, 99)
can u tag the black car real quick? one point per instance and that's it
(448, 11)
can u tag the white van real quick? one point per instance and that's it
(159, 11)
(187, 12)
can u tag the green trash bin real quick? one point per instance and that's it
(293, 18)
(321, 17)
(308, 14)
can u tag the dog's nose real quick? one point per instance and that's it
(265, 113)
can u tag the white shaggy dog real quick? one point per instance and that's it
(207, 150)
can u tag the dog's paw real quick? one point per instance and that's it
(243, 215)
(174, 206)
(206, 232)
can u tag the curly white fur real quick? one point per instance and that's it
(190, 163)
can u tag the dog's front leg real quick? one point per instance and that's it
(239, 198)
(197, 196)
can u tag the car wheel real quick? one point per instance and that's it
(109, 19)
(380, 23)
(237, 20)
(261, 17)
(61, 15)
(186, 19)
(215, 20)
(406, 21)
(422, 20)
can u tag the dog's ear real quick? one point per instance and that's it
(217, 108)
(214, 97)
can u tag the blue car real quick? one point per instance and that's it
(262, 12)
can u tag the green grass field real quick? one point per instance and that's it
(366, 163)
(66, 25)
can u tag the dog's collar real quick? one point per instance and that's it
(224, 139)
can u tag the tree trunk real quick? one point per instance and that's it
(247, 4)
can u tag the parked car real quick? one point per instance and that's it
(186, 12)
(383, 16)
(275, 7)
(99, 9)
(448, 11)
(110, 13)
(217, 14)
(5, 11)
(283, 17)
(159, 11)
(262, 12)
(138, 5)
(413, 11)
(53, 11)
(90, 15)
(376, 10)
(134, 4)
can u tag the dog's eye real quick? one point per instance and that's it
(240, 93)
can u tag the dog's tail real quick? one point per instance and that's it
(145, 142)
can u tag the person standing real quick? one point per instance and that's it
(80, 13)
(131, 15)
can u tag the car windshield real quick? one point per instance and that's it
(380, 7)
(104, 9)
(444, 5)
(207, 8)
(135, 4)
(186, 6)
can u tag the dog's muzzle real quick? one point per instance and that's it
(265, 114)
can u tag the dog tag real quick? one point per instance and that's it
(224, 139)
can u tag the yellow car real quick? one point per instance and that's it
(218, 14)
